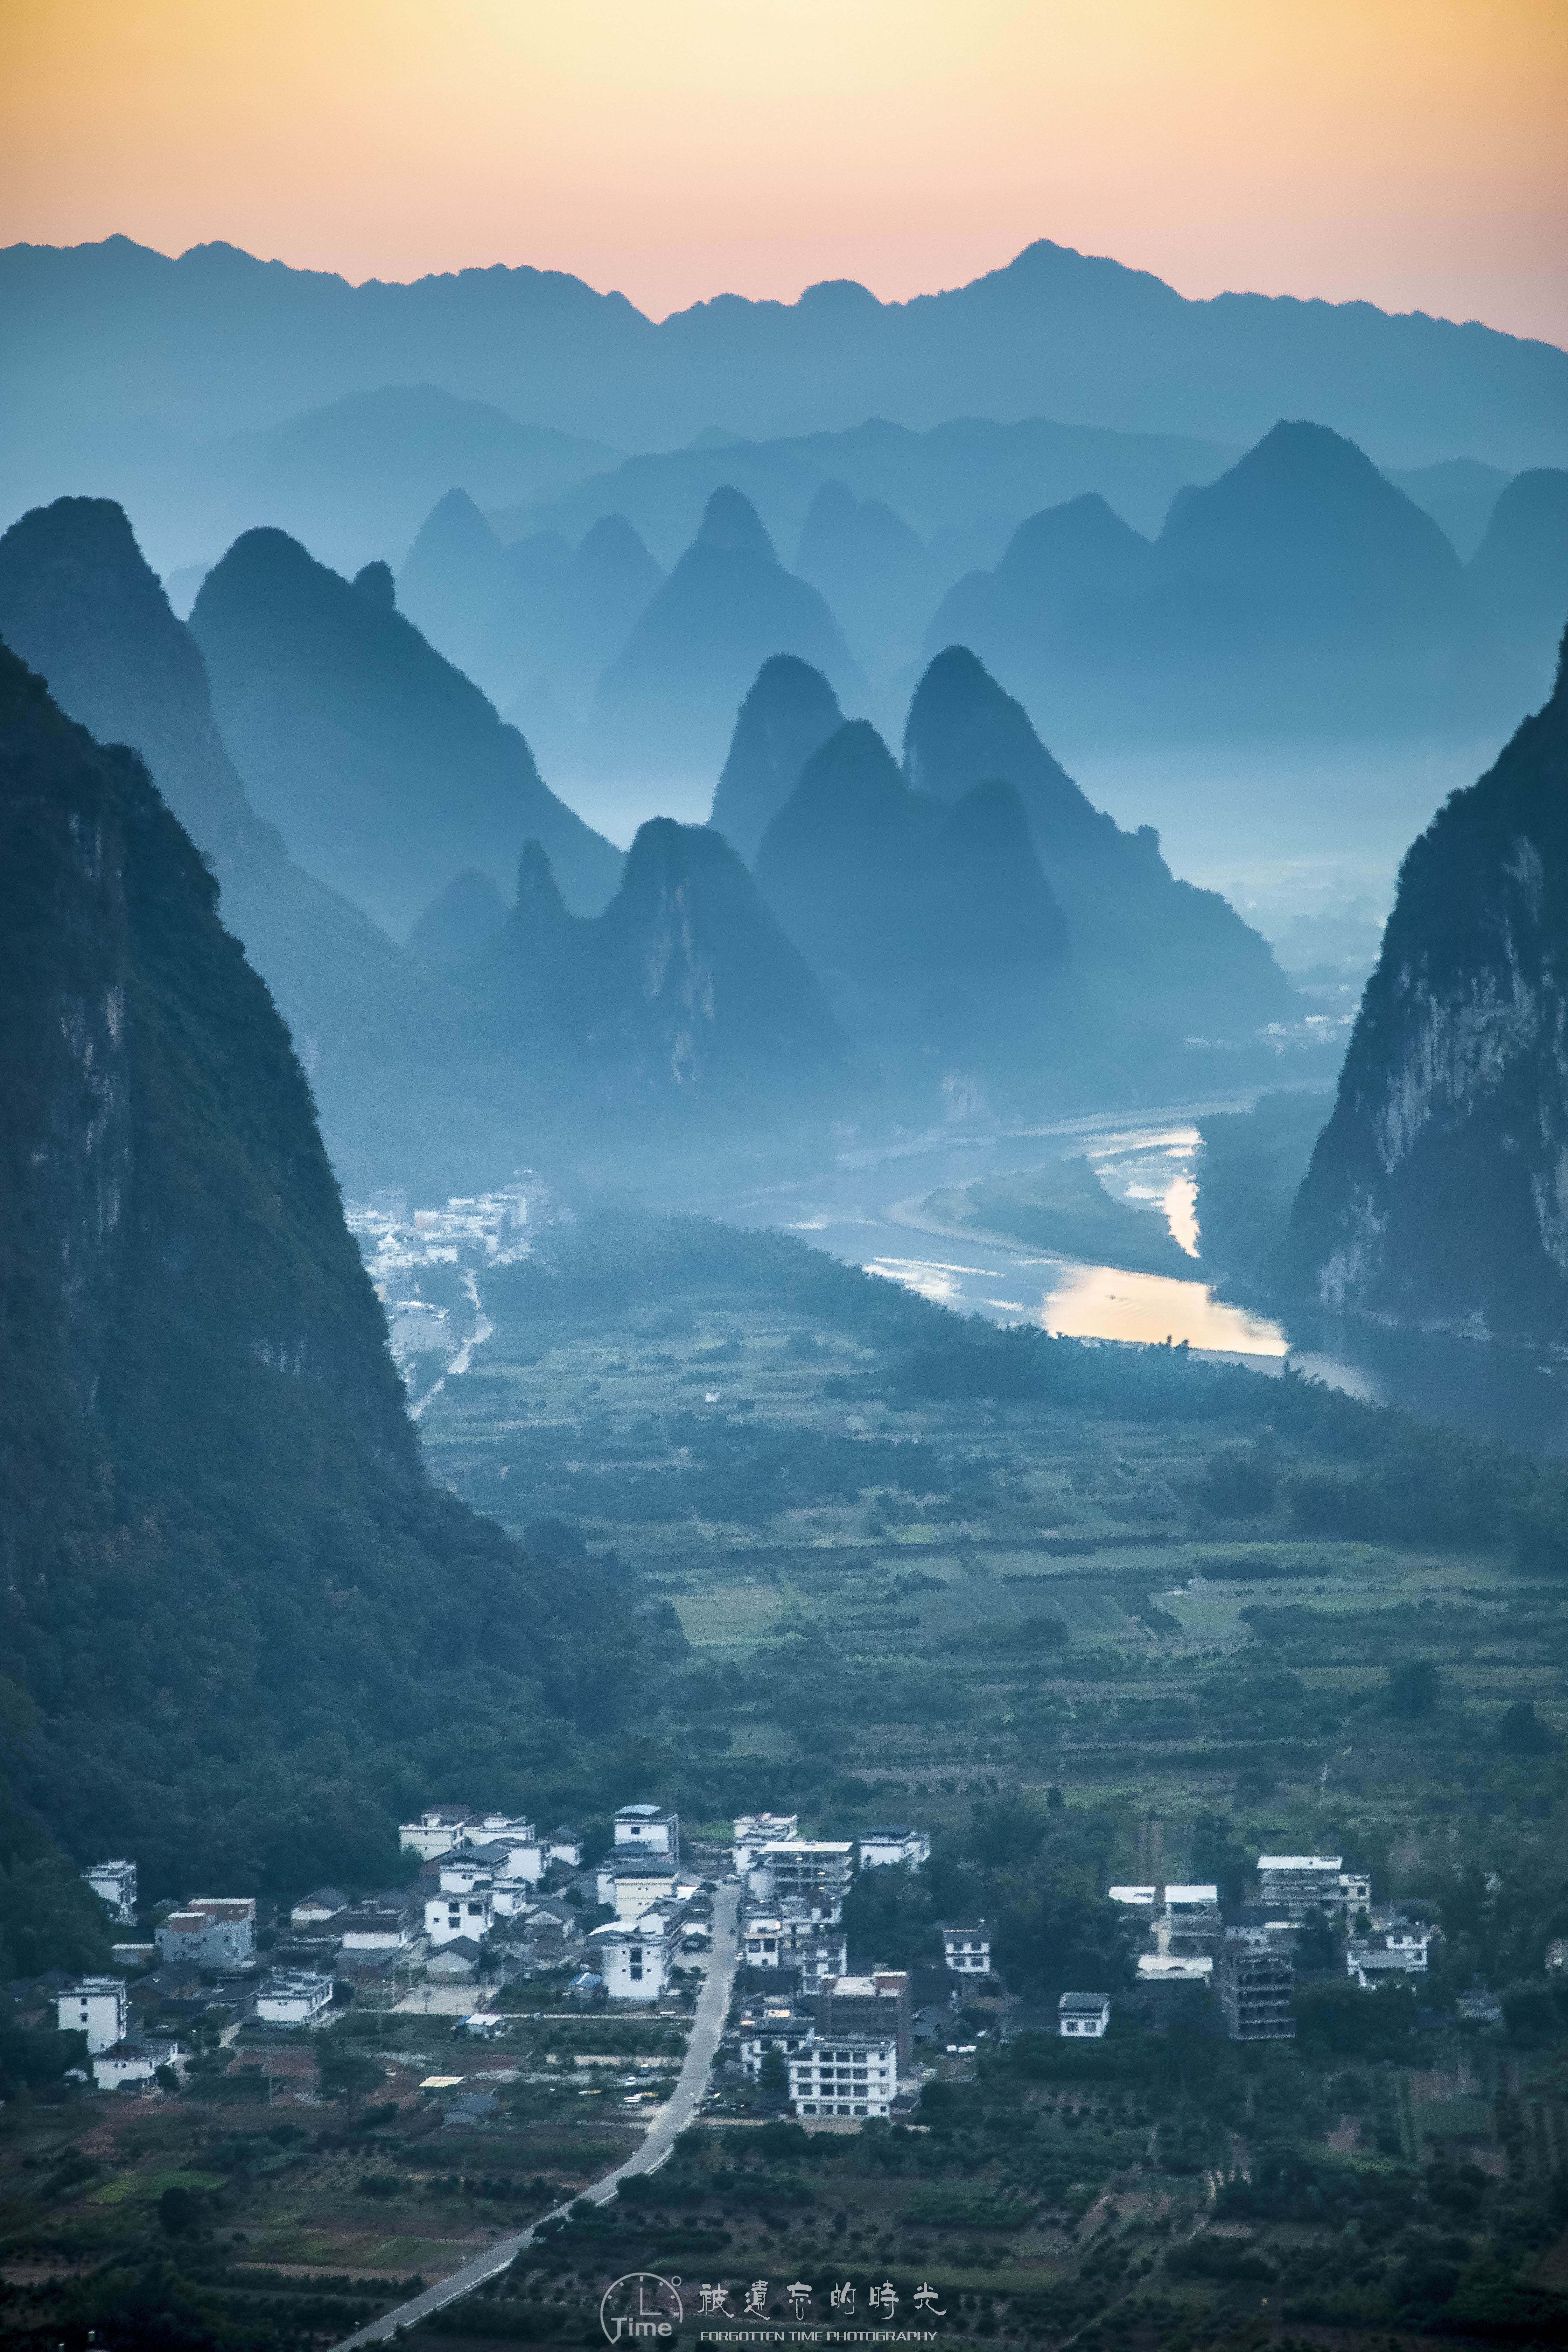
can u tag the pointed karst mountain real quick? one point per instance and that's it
(385, 768)
(1154, 952)
(874, 571)
(684, 998)
(82, 607)
(1069, 561)
(665, 704)
(1300, 592)
(933, 926)
(197, 1386)
(1437, 1194)
(790, 710)
(1520, 570)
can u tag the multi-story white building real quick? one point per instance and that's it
(843, 2074)
(639, 1886)
(892, 1842)
(287, 1999)
(216, 1931)
(635, 1956)
(1084, 2015)
(816, 1873)
(114, 1883)
(967, 1948)
(438, 1830)
(774, 1942)
(95, 2007)
(447, 1917)
(1299, 1883)
(755, 1830)
(646, 1829)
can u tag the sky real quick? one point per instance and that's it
(1408, 152)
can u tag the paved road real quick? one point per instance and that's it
(712, 2008)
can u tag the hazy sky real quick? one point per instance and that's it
(1411, 151)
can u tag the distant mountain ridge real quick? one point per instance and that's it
(217, 340)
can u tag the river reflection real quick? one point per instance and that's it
(868, 1210)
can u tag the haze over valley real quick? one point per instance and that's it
(783, 1253)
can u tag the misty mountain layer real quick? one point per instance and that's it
(387, 769)
(217, 340)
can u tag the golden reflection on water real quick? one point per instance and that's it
(1100, 1302)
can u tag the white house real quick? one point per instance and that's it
(287, 1999)
(637, 1955)
(95, 2007)
(754, 1830)
(1084, 2014)
(773, 1940)
(437, 1831)
(1399, 1950)
(1139, 1900)
(413, 1325)
(639, 1886)
(843, 2074)
(891, 1843)
(315, 1909)
(466, 1869)
(455, 1962)
(1160, 1968)
(216, 1931)
(967, 1949)
(374, 1931)
(646, 1829)
(564, 1844)
(447, 1917)
(772, 2023)
(114, 1883)
(133, 2061)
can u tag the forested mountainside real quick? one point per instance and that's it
(236, 1608)
(81, 606)
(1438, 1192)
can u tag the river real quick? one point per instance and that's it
(867, 1210)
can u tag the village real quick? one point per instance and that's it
(493, 1905)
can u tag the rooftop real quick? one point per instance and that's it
(1298, 1861)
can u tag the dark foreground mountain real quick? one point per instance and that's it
(667, 703)
(1437, 1194)
(1160, 957)
(235, 1606)
(387, 769)
(396, 1068)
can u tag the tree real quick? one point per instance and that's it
(772, 2080)
(1413, 1688)
(347, 2074)
(1522, 1733)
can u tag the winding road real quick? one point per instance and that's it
(712, 2008)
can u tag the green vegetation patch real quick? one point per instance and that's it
(1064, 1208)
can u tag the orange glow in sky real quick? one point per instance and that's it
(1412, 153)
